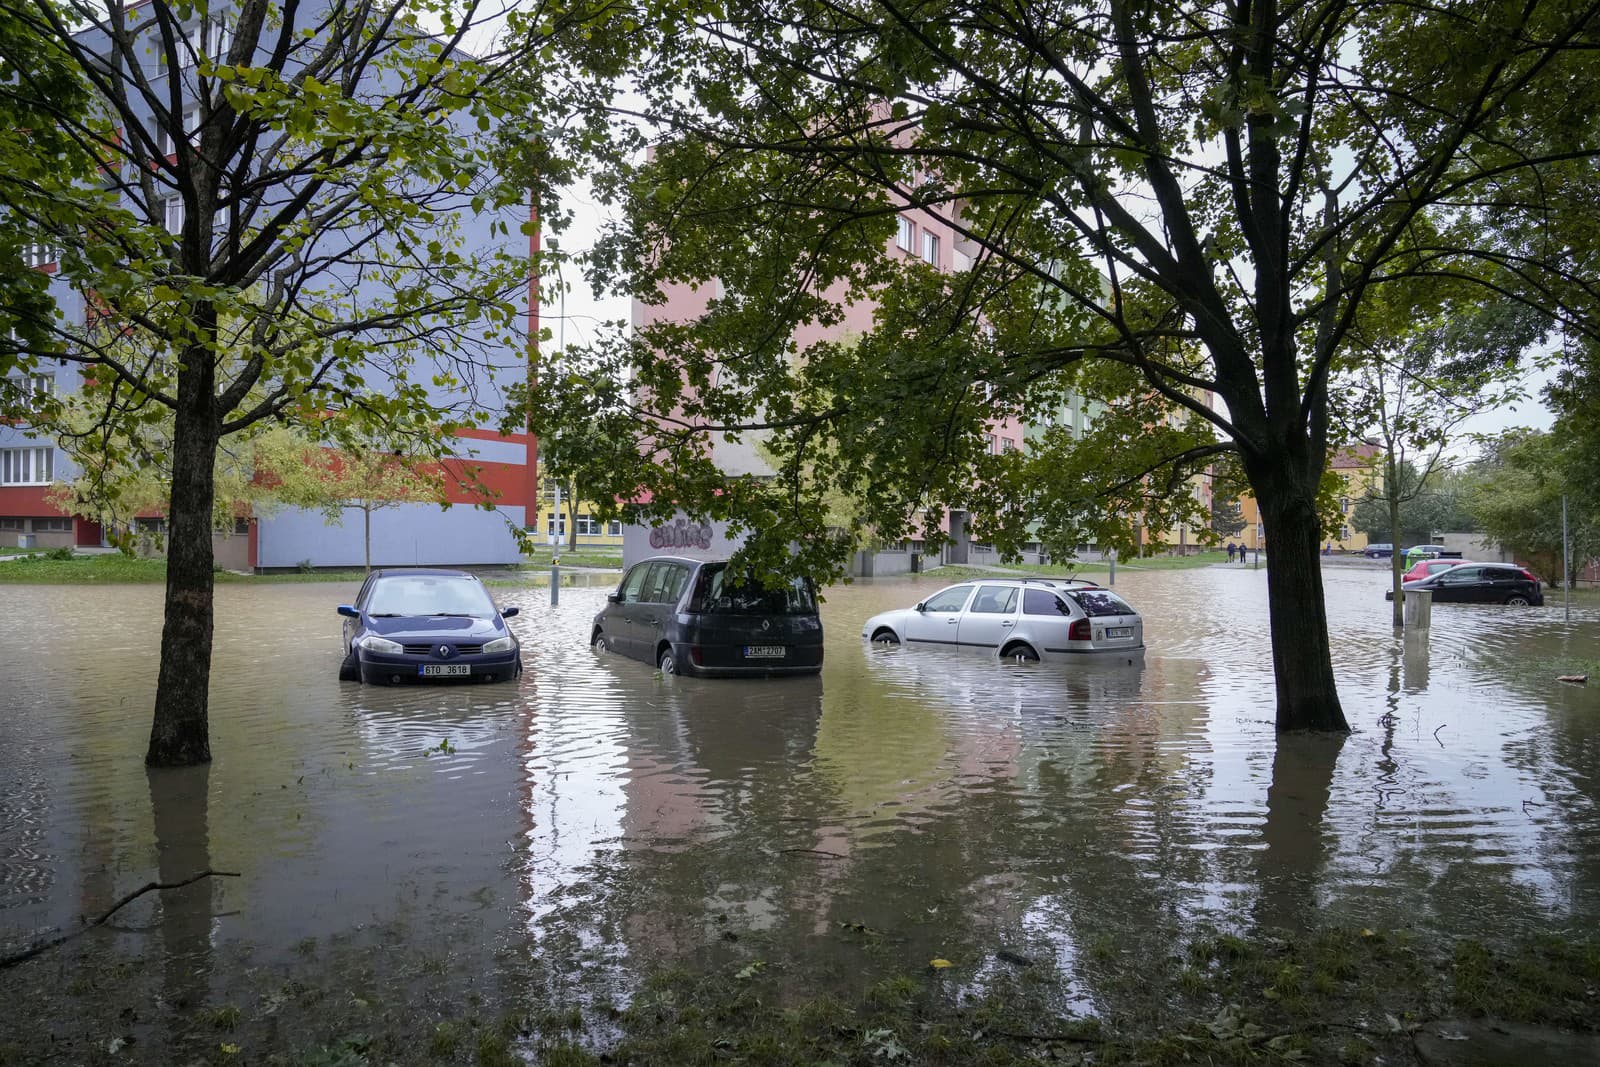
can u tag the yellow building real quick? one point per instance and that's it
(1358, 468)
(553, 521)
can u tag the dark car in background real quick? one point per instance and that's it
(427, 626)
(699, 617)
(1381, 551)
(1481, 583)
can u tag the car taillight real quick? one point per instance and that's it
(694, 654)
(1079, 631)
(1526, 573)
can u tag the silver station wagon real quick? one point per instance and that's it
(1015, 619)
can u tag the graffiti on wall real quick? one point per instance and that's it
(681, 534)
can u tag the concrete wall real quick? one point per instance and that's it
(1471, 546)
(679, 537)
(408, 535)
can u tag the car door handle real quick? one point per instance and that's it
(1007, 623)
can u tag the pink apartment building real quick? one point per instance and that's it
(923, 233)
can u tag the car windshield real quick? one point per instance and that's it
(717, 591)
(430, 594)
(1097, 602)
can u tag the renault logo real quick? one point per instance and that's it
(445, 651)
(766, 624)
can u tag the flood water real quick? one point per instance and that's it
(425, 852)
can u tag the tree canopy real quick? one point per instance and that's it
(292, 210)
(1183, 208)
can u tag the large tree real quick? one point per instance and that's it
(1204, 195)
(284, 192)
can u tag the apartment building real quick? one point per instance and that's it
(491, 477)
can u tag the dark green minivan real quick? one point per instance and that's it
(689, 616)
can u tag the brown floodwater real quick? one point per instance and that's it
(418, 854)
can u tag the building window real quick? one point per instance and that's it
(32, 384)
(1344, 506)
(992, 443)
(241, 526)
(191, 125)
(172, 214)
(27, 466)
(210, 38)
(1008, 444)
(1344, 533)
(58, 525)
(9, 525)
(906, 238)
(39, 254)
(615, 528)
(554, 527)
(930, 247)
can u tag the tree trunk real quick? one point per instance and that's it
(179, 734)
(572, 520)
(1302, 659)
(1396, 563)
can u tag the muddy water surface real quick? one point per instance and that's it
(424, 853)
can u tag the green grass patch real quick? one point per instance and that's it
(1074, 570)
(116, 568)
(539, 559)
(1336, 996)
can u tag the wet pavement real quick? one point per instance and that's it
(431, 851)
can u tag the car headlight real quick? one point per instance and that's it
(374, 643)
(501, 644)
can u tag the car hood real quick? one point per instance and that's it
(436, 627)
(888, 618)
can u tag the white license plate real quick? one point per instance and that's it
(1119, 631)
(444, 670)
(765, 651)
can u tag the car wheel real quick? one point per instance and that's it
(668, 663)
(1517, 601)
(601, 643)
(350, 669)
(1020, 654)
(886, 638)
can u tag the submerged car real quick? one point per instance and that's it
(1481, 583)
(425, 626)
(700, 617)
(1428, 567)
(1015, 619)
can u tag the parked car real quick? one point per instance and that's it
(424, 626)
(688, 616)
(1426, 567)
(1378, 551)
(1016, 619)
(1480, 583)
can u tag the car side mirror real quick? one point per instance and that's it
(506, 613)
(615, 598)
(922, 605)
(349, 611)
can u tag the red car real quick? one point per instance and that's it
(1427, 567)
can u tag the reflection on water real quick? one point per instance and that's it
(444, 846)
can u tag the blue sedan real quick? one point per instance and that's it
(426, 626)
